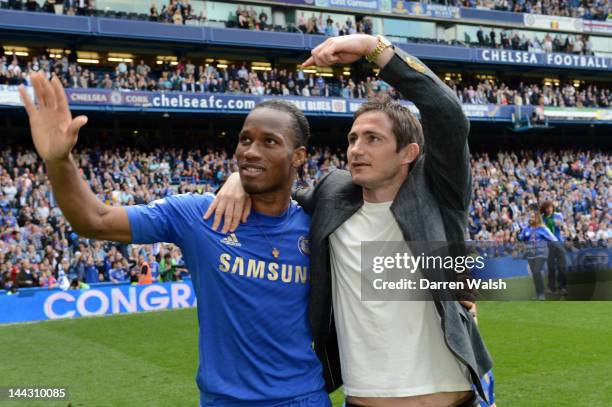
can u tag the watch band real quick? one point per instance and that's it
(381, 45)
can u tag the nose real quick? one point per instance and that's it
(253, 151)
(356, 148)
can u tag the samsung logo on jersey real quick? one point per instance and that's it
(69, 304)
(271, 271)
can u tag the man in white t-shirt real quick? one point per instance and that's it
(392, 353)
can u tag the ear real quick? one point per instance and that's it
(410, 153)
(299, 157)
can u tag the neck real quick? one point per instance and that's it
(271, 203)
(387, 191)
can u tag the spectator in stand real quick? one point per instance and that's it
(144, 276)
(480, 36)
(537, 236)
(177, 17)
(31, 5)
(153, 13)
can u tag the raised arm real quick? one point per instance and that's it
(445, 127)
(55, 133)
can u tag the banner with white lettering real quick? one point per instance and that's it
(9, 95)
(241, 104)
(553, 22)
(504, 56)
(44, 304)
(371, 5)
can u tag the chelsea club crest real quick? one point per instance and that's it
(304, 245)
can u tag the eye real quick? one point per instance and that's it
(245, 140)
(271, 141)
(352, 139)
(374, 138)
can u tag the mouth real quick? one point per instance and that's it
(357, 165)
(251, 170)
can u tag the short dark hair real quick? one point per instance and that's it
(406, 126)
(300, 126)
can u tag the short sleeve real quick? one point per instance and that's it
(168, 219)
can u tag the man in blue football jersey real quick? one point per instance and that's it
(252, 285)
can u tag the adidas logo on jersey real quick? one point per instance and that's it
(231, 240)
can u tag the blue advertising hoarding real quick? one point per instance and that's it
(115, 100)
(240, 104)
(554, 60)
(42, 304)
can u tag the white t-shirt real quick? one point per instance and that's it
(387, 348)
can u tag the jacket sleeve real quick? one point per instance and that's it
(445, 127)
(307, 197)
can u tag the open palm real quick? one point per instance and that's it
(54, 131)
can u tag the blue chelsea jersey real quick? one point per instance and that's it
(255, 343)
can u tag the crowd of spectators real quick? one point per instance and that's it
(562, 95)
(187, 77)
(239, 79)
(175, 12)
(68, 7)
(586, 9)
(577, 44)
(38, 247)
(505, 184)
(327, 26)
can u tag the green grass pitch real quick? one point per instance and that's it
(545, 353)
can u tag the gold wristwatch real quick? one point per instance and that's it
(381, 45)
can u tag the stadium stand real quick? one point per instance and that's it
(240, 79)
(180, 11)
(505, 183)
(590, 10)
(36, 242)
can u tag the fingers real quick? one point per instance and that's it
(229, 209)
(27, 102)
(324, 54)
(49, 92)
(60, 95)
(38, 90)
(43, 90)
(247, 210)
(76, 124)
(211, 208)
(467, 304)
(309, 62)
(236, 214)
(219, 211)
